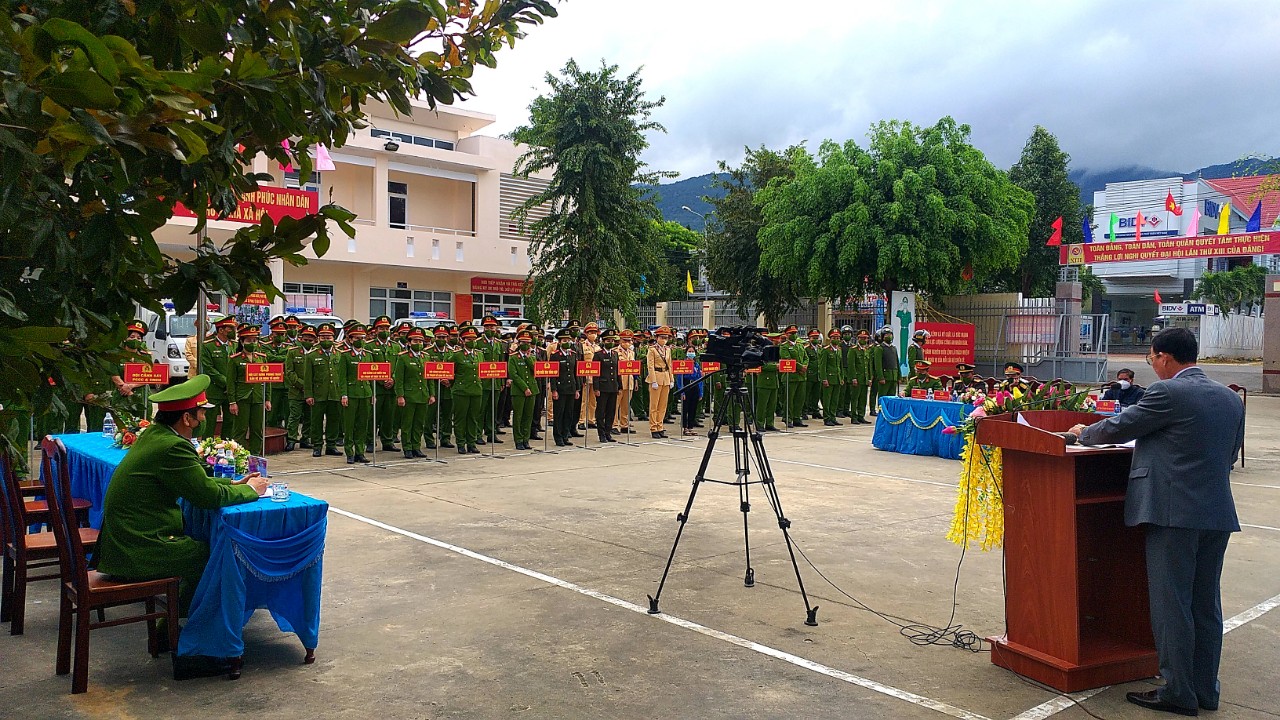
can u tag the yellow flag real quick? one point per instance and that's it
(688, 282)
(1224, 219)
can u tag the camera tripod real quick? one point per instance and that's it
(747, 444)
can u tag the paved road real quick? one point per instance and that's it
(1248, 376)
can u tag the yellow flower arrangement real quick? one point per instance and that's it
(979, 510)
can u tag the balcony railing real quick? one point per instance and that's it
(419, 228)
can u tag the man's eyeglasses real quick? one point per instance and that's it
(1151, 356)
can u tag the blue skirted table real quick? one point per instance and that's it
(914, 427)
(262, 554)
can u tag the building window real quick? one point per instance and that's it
(398, 199)
(400, 303)
(513, 257)
(500, 305)
(457, 251)
(291, 180)
(308, 289)
(406, 138)
(435, 249)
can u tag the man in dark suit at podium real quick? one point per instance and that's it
(1188, 429)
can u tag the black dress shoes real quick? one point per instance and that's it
(462, 449)
(408, 454)
(362, 459)
(305, 445)
(418, 454)
(471, 450)
(334, 452)
(389, 447)
(289, 445)
(186, 667)
(316, 453)
(351, 459)
(798, 424)
(1151, 701)
(446, 444)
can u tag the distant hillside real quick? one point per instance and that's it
(690, 191)
(674, 196)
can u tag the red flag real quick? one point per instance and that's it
(1056, 237)
(1137, 227)
(1158, 300)
(1172, 206)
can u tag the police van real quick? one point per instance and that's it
(168, 335)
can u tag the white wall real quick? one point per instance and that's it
(1231, 336)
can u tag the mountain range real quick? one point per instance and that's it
(673, 197)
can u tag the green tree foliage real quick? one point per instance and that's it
(917, 209)
(111, 111)
(1231, 289)
(678, 252)
(1042, 171)
(733, 246)
(598, 237)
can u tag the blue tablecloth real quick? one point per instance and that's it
(262, 554)
(914, 427)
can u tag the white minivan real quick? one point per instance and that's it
(168, 336)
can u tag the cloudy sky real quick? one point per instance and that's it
(1167, 84)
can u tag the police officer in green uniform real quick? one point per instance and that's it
(298, 425)
(830, 375)
(844, 345)
(322, 379)
(247, 399)
(492, 349)
(921, 379)
(131, 394)
(525, 389)
(966, 380)
(440, 417)
(813, 384)
(889, 371)
(276, 346)
(467, 392)
(382, 348)
(357, 400)
(858, 377)
(414, 394)
(640, 396)
(765, 384)
(798, 382)
(915, 351)
(215, 360)
(142, 532)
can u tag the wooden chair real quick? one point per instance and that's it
(1243, 392)
(85, 590)
(24, 552)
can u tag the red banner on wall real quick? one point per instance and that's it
(1259, 243)
(948, 344)
(501, 286)
(274, 202)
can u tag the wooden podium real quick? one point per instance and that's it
(1076, 597)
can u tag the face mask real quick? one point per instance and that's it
(592, 336)
(326, 344)
(524, 347)
(792, 337)
(308, 342)
(662, 341)
(471, 344)
(384, 335)
(292, 333)
(135, 344)
(357, 343)
(1125, 384)
(846, 337)
(250, 346)
(416, 345)
(609, 344)
(441, 342)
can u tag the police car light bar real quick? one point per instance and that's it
(417, 313)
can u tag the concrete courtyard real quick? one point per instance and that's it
(494, 588)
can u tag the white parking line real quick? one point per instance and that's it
(796, 660)
(1062, 702)
(1259, 527)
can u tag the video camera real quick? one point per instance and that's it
(744, 348)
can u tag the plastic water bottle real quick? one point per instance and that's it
(109, 426)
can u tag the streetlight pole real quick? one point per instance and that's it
(704, 233)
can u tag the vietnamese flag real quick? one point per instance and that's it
(1137, 228)
(1158, 300)
(1056, 237)
(1172, 206)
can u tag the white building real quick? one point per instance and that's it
(1131, 286)
(433, 201)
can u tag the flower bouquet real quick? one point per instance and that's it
(128, 429)
(222, 456)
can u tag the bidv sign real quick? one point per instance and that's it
(1212, 209)
(1156, 223)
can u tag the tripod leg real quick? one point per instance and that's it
(683, 517)
(771, 493)
(742, 469)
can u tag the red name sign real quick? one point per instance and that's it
(493, 371)
(919, 393)
(440, 370)
(682, 367)
(786, 366)
(752, 371)
(1259, 243)
(373, 371)
(546, 369)
(710, 367)
(942, 395)
(588, 368)
(264, 373)
(628, 367)
(499, 286)
(144, 374)
(1106, 406)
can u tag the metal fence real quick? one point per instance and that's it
(647, 316)
(1035, 333)
(684, 314)
(727, 314)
